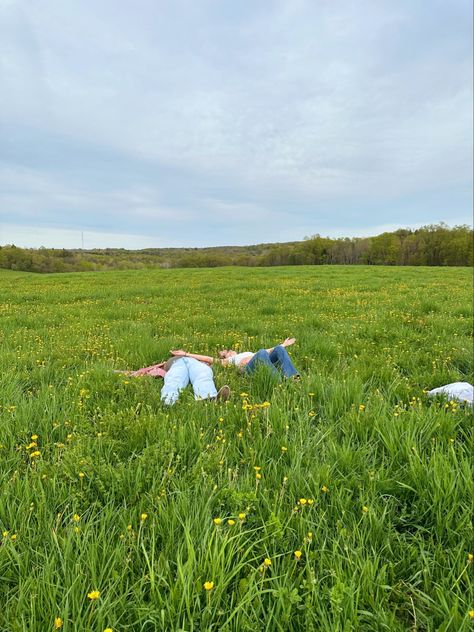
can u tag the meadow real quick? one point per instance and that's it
(340, 502)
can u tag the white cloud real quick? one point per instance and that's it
(193, 114)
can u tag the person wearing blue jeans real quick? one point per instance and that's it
(275, 358)
(181, 371)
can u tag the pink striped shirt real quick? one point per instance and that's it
(155, 370)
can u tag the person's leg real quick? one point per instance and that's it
(175, 380)
(279, 357)
(262, 357)
(201, 378)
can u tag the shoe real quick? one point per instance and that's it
(223, 394)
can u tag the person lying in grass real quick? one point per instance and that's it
(177, 373)
(274, 358)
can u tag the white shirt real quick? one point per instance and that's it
(237, 359)
(462, 391)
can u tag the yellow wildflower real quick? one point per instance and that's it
(325, 489)
(258, 476)
(217, 521)
(34, 437)
(470, 557)
(298, 554)
(471, 614)
(13, 537)
(303, 501)
(108, 630)
(267, 562)
(310, 501)
(35, 454)
(242, 516)
(365, 509)
(94, 595)
(208, 585)
(143, 517)
(284, 449)
(76, 518)
(231, 522)
(58, 623)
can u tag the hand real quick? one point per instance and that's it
(178, 352)
(288, 341)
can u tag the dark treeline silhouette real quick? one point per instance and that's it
(433, 245)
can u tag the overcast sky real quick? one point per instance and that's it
(151, 123)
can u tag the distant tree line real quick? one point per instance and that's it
(433, 245)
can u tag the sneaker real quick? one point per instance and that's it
(223, 394)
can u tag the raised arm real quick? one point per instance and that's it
(202, 358)
(286, 343)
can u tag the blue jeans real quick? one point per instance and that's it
(276, 358)
(182, 372)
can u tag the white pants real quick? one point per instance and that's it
(182, 372)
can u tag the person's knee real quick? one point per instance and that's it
(262, 353)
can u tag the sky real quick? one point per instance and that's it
(204, 122)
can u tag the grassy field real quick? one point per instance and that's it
(343, 501)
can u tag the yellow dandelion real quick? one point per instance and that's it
(231, 522)
(58, 623)
(303, 501)
(34, 437)
(76, 518)
(470, 557)
(471, 614)
(108, 630)
(217, 521)
(143, 517)
(242, 516)
(361, 408)
(310, 501)
(284, 449)
(258, 476)
(267, 562)
(13, 537)
(94, 595)
(81, 474)
(208, 585)
(298, 554)
(365, 509)
(325, 489)
(35, 454)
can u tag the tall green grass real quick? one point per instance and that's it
(359, 472)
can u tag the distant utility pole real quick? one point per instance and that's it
(82, 238)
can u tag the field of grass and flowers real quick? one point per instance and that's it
(340, 502)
